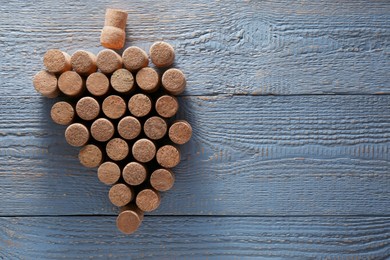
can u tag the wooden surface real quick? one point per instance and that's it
(300, 174)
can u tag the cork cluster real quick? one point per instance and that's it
(121, 113)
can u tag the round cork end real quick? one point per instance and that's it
(120, 194)
(147, 79)
(46, 83)
(162, 54)
(122, 81)
(180, 132)
(90, 156)
(155, 128)
(162, 179)
(112, 37)
(109, 173)
(62, 113)
(134, 173)
(87, 108)
(129, 127)
(84, 62)
(148, 200)
(117, 149)
(140, 105)
(167, 106)
(135, 58)
(114, 107)
(98, 84)
(168, 156)
(76, 134)
(70, 83)
(129, 220)
(116, 18)
(174, 81)
(144, 150)
(102, 130)
(57, 61)
(108, 61)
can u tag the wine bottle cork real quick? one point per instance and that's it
(155, 128)
(46, 84)
(117, 149)
(148, 200)
(90, 156)
(167, 106)
(113, 34)
(120, 194)
(84, 62)
(76, 134)
(180, 132)
(129, 219)
(102, 130)
(108, 61)
(134, 173)
(122, 81)
(162, 54)
(87, 108)
(162, 179)
(71, 84)
(134, 58)
(173, 81)
(98, 84)
(129, 127)
(57, 61)
(143, 150)
(168, 156)
(114, 107)
(147, 79)
(140, 105)
(109, 173)
(62, 113)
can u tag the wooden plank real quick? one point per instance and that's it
(196, 238)
(249, 155)
(242, 47)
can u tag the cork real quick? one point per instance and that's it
(162, 54)
(114, 107)
(117, 149)
(129, 127)
(87, 108)
(167, 106)
(148, 200)
(162, 179)
(129, 219)
(109, 173)
(62, 113)
(90, 156)
(113, 34)
(76, 134)
(134, 58)
(134, 173)
(70, 83)
(84, 62)
(168, 156)
(180, 132)
(120, 194)
(108, 61)
(173, 81)
(102, 130)
(98, 84)
(57, 61)
(147, 79)
(155, 128)
(144, 150)
(122, 81)
(140, 105)
(46, 84)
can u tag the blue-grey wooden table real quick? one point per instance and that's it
(290, 156)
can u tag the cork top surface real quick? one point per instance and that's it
(114, 106)
(180, 132)
(128, 221)
(117, 149)
(134, 173)
(108, 61)
(77, 134)
(134, 58)
(129, 127)
(174, 81)
(148, 200)
(87, 108)
(140, 105)
(62, 113)
(162, 179)
(144, 150)
(98, 84)
(109, 173)
(120, 194)
(162, 54)
(122, 81)
(70, 83)
(167, 106)
(168, 156)
(56, 61)
(155, 128)
(46, 83)
(83, 62)
(90, 156)
(147, 79)
(102, 129)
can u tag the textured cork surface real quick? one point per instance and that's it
(102, 129)
(57, 61)
(98, 84)
(114, 106)
(70, 83)
(122, 81)
(117, 149)
(162, 179)
(129, 127)
(77, 134)
(90, 156)
(87, 108)
(129, 219)
(62, 113)
(134, 173)
(46, 83)
(155, 128)
(148, 200)
(144, 150)
(174, 81)
(120, 194)
(108, 61)
(109, 173)
(84, 62)
(168, 156)
(134, 58)
(180, 132)
(140, 105)
(148, 79)
(167, 106)
(162, 54)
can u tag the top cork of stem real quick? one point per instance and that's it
(116, 18)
